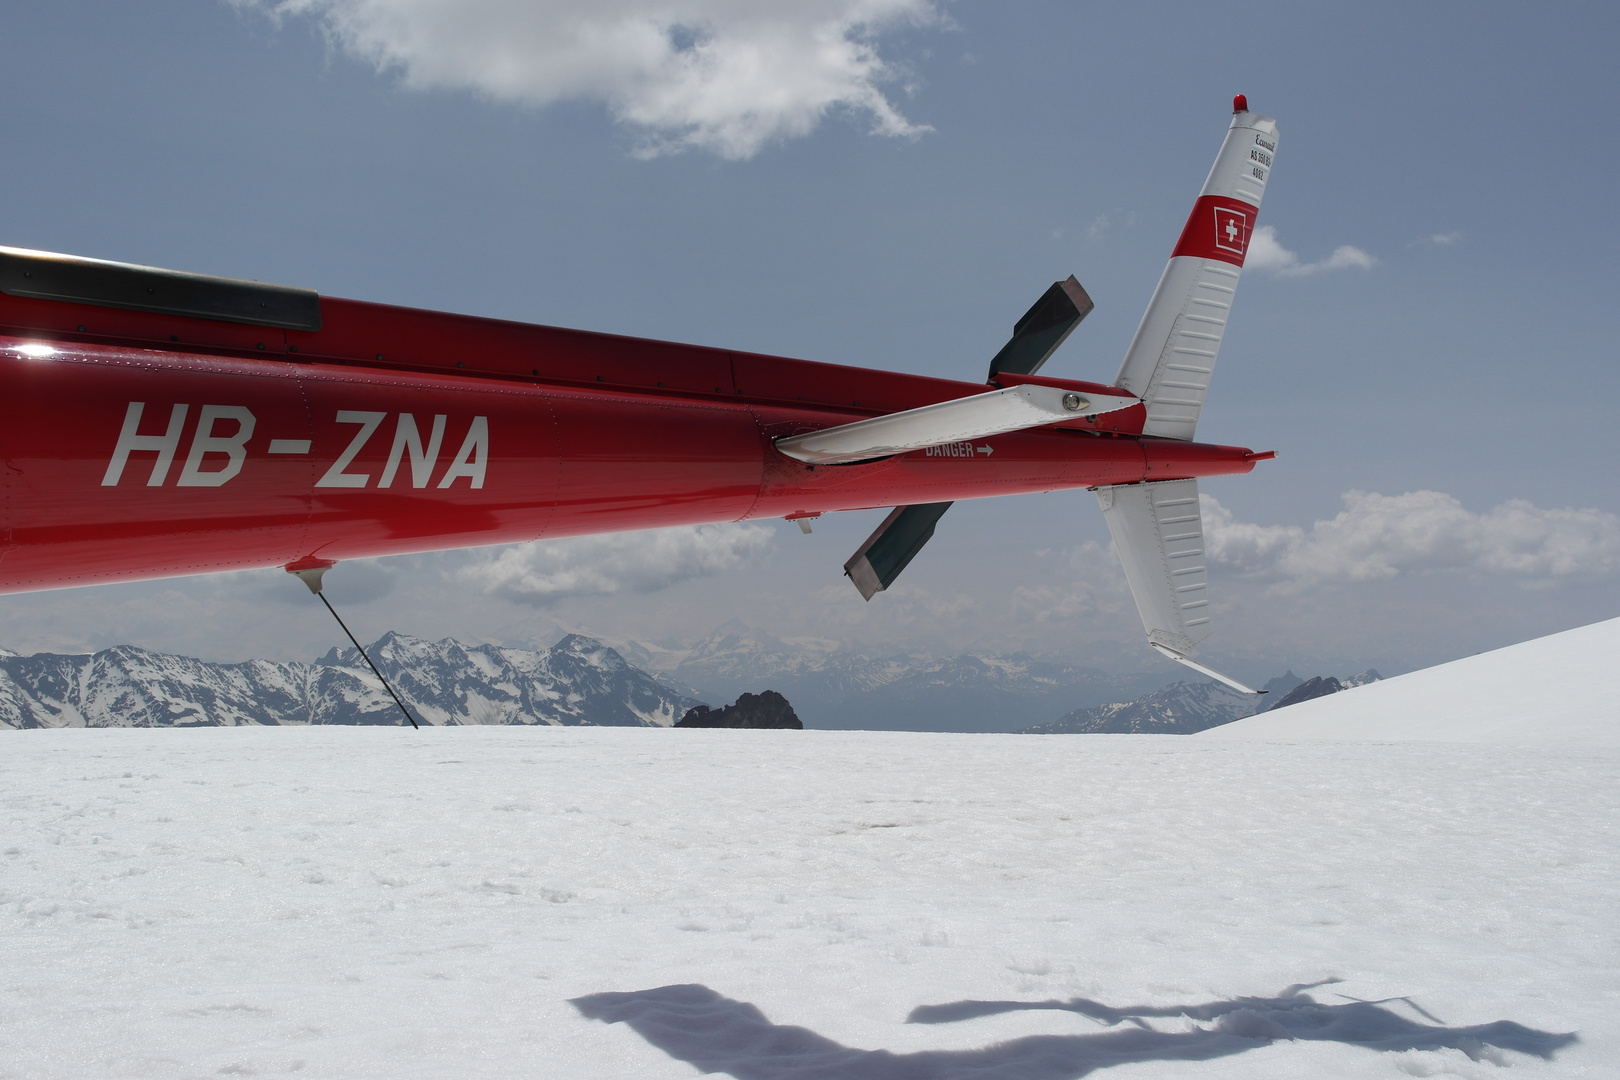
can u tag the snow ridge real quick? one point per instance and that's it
(578, 681)
(1554, 689)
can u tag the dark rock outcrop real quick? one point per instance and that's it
(1281, 686)
(763, 710)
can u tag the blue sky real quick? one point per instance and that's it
(496, 166)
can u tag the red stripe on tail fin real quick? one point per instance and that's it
(1218, 228)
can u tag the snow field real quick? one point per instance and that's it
(1554, 689)
(363, 902)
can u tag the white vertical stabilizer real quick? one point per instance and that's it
(1158, 531)
(1172, 357)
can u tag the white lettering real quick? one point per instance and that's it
(422, 461)
(206, 442)
(335, 476)
(955, 449)
(472, 457)
(131, 441)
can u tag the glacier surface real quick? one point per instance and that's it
(582, 902)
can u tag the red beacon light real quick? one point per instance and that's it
(1240, 103)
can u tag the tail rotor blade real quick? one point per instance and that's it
(876, 564)
(1036, 336)
(1043, 328)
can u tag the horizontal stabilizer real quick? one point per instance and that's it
(886, 552)
(1042, 329)
(1016, 408)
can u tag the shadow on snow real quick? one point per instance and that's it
(692, 1023)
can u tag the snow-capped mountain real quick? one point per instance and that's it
(577, 681)
(835, 685)
(1178, 709)
(1322, 686)
(1185, 707)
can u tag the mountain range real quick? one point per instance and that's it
(833, 685)
(1185, 707)
(576, 681)
(582, 681)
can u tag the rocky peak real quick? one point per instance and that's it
(767, 709)
(1314, 687)
(1322, 686)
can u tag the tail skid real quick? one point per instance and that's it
(1201, 669)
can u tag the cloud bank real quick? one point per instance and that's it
(1265, 253)
(546, 572)
(1094, 584)
(728, 76)
(1377, 537)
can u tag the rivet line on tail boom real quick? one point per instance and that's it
(156, 423)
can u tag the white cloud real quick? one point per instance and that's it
(1104, 222)
(1093, 586)
(729, 76)
(906, 612)
(1265, 253)
(545, 572)
(1383, 536)
(1450, 239)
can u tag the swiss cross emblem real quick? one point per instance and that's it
(1231, 230)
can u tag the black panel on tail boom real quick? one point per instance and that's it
(44, 275)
